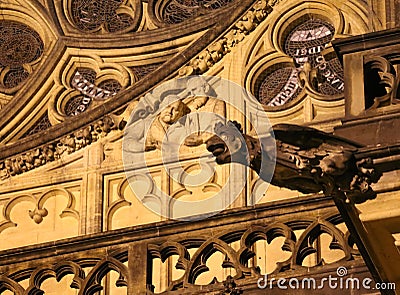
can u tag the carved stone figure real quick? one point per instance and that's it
(204, 108)
(176, 118)
(307, 160)
(172, 110)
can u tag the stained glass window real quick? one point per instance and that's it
(280, 87)
(110, 85)
(84, 81)
(20, 47)
(76, 105)
(141, 71)
(90, 15)
(305, 43)
(42, 124)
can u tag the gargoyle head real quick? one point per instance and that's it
(228, 145)
(305, 159)
(231, 145)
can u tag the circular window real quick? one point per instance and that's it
(19, 44)
(21, 49)
(306, 42)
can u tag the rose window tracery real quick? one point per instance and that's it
(14, 77)
(176, 11)
(21, 48)
(87, 74)
(94, 15)
(306, 43)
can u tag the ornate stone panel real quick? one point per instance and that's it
(121, 201)
(381, 82)
(39, 215)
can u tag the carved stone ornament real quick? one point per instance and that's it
(214, 53)
(381, 83)
(55, 150)
(296, 235)
(307, 160)
(230, 287)
(297, 247)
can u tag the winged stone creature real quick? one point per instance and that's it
(303, 159)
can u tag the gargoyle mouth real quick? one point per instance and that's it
(216, 149)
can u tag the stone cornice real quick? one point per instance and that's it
(366, 41)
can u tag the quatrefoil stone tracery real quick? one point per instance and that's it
(21, 48)
(305, 43)
(93, 15)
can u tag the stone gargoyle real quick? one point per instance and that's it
(307, 160)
